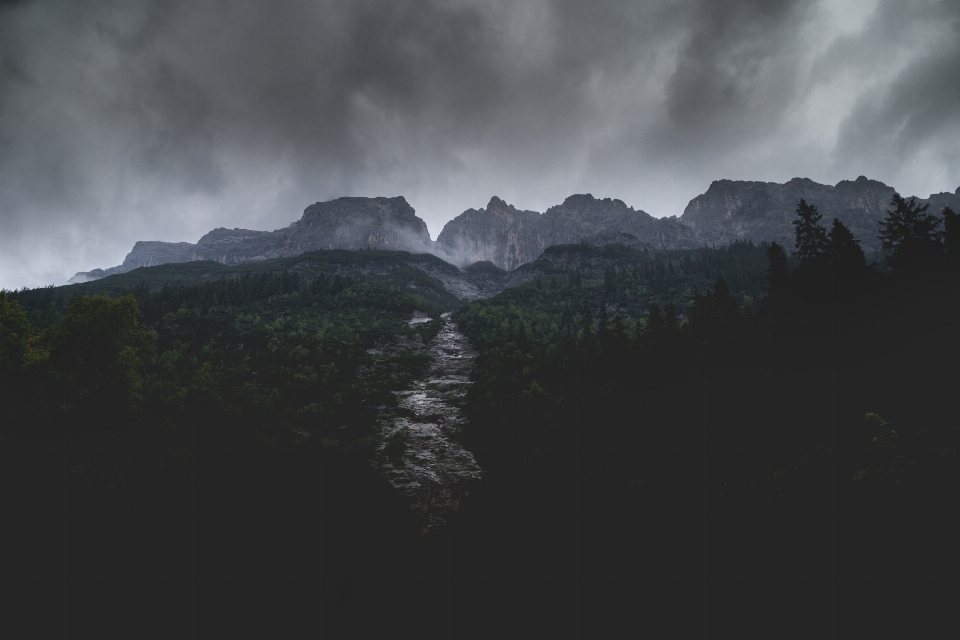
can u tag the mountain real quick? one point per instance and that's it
(509, 237)
(763, 211)
(500, 234)
(344, 223)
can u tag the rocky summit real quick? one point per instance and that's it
(344, 223)
(764, 211)
(509, 237)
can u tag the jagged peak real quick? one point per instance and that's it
(579, 198)
(497, 203)
(861, 181)
(588, 200)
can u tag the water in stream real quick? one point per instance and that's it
(432, 469)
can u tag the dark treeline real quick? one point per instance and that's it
(238, 284)
(773, 438)
(633, 279)
(269, 351)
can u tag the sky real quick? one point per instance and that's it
(143, 120)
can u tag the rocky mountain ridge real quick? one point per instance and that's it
(508, 237)
(764, 211)
(344, 223)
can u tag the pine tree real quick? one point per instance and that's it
(844, 254)
(777, 268)
(951, 235)
(811, 237)
(911, 235)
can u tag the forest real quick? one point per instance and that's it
(650, 424)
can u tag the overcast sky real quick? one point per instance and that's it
(138, 120)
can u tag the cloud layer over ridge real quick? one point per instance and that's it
(143, 120)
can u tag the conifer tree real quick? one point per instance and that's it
(777, 267)
(844, 254)
(951, 235)
(811, 237)
(911, 235)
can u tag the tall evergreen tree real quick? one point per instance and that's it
(777, 268)
(844, 254)
(911, 235)
(951, 235)
(811, 237)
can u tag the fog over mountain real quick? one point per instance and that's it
(156, 121)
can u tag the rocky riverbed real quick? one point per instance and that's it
(419, 454)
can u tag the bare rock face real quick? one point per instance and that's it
(344, 223)
(764, 211)
(233, 246)
(508, 237)
(939, 201)
(582, 217)
(501, 234)
(359, 223)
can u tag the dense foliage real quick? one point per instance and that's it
(633, 382)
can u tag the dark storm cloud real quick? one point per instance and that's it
(915, 112)
(122, 121)
(727, 68)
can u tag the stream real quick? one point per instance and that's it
(420, 456)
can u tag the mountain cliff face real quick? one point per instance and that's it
(500, 234)
(508, 237)
(764, 211)
(344, 223)
(359, 223)
(581, 217)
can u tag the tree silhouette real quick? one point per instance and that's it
(777, 268)
(715, 308)
(811, 237)
(911, 235)
(951, 235)
(844, 254)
